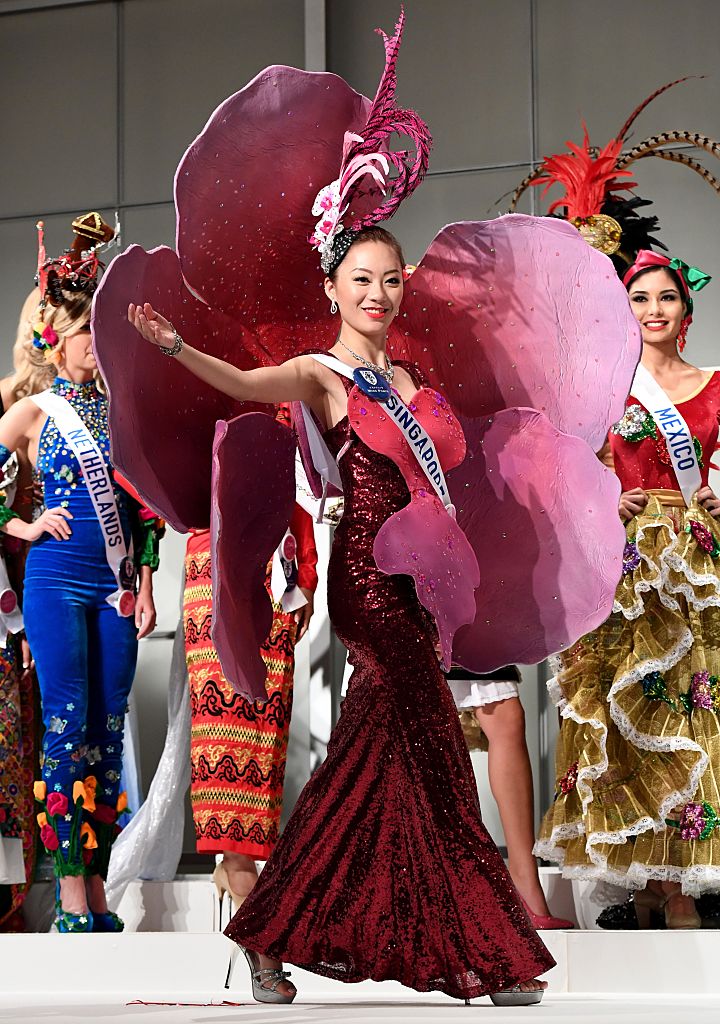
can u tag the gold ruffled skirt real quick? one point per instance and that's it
(639, 742)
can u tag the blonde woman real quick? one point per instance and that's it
(82, 614)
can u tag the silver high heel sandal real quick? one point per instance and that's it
(516, 997)
(260, 977)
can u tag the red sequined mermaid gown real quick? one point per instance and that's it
(385, 870)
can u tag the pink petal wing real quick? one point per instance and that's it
(424, 542)
(541, 514)
(244, 193)
(162, 419)
(252, 502)
(521, 311)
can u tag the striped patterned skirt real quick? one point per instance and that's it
(237, 748)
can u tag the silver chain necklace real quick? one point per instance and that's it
(387, 373)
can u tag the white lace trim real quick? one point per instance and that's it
(590, 772)
(555, 692)
(674, 561)
(664, 743)
(549, 848)
(670, 561)
(644, 585)
(696, 879)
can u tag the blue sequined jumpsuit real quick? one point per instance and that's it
(84, 652)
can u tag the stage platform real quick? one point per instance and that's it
(173, 956)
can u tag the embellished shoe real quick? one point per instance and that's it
(516, 997)
(108, 922)
(67, 923)
(627, 916)
(265, 980)
(545, 920)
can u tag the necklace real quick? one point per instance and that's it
(388, 373)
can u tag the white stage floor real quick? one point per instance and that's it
(558, 1009)
(170, 954)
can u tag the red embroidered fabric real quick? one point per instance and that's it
(385, 870)
(646, 463)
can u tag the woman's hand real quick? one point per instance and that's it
(304, 614)
(632, 503)
(53, 521)
(28, 663)
(152, 325)
(145, 614)
(707, 498)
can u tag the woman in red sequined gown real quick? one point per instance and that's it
(385, 870)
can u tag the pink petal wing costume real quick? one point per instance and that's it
(535, 351)
(385, 869)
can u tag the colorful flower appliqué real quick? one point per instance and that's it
(705, 540)
(631, 557)
(697, 821)
(635, 425)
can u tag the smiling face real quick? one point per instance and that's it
(658, 305)
(368, 287)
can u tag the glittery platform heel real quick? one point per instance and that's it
(516, 997)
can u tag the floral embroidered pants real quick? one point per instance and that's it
(85, 655)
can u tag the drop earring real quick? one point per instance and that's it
(333, 307)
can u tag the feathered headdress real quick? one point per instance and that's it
(591, 179)
(368, 155)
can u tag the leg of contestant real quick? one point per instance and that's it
(493, 719)
(81, 614)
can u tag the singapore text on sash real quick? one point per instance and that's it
(421, 445)
(673, 428)
(100, 488)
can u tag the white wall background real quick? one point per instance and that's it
(100, 99)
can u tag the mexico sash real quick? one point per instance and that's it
(673, 428)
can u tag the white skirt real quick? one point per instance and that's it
(474, 691)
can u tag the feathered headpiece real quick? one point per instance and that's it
(369, 155)
(591, 179)
(76, 270)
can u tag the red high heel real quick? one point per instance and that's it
(547, 921)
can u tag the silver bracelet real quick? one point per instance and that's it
(175, 348)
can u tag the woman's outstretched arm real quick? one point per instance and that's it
(297, 380)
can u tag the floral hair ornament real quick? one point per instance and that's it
(367, 155)
(45, 337)
(591, 179)
(692, 279)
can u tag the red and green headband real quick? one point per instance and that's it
(692, 278)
